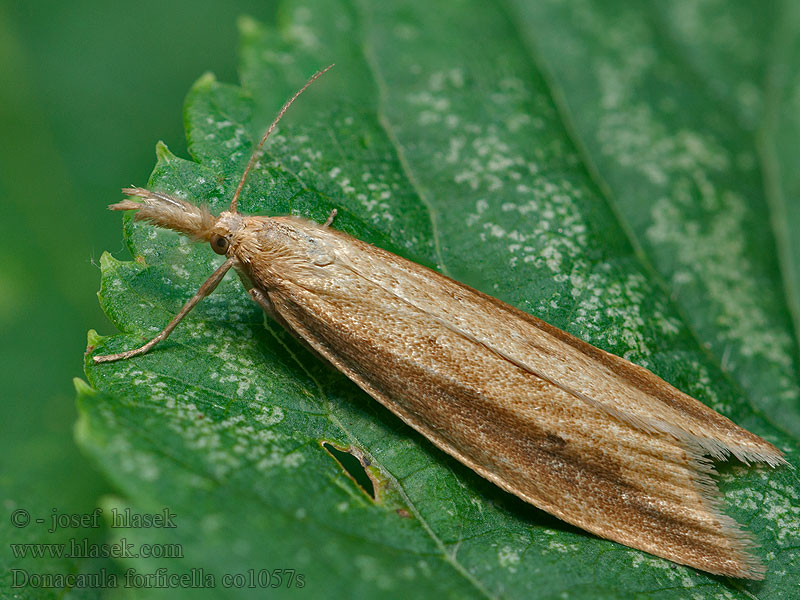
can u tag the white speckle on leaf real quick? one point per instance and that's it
(180, 271)
(508, 558)
(699, 222)
(713, 257)
(268, 415)
(140, 464)
(370, 570)
(561, 547)
(675, 573)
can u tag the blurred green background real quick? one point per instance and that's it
(86, 90)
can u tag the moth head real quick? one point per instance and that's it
(177, 214)
(219, 243)
(224, 230)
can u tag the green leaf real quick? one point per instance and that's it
(444, 135)
(679, 153)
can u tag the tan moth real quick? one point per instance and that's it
(580, 433)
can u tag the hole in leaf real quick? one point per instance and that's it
(354, 464)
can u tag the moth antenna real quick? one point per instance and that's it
(256, 152)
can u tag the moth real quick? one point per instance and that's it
(580, 433)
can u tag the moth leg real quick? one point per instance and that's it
(266, 304)
(208, 286)
(263, 300)
(330, 218)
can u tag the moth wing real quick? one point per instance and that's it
(603, 380)
(532, 438)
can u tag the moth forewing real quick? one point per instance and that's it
(395, 337)
(587, 436)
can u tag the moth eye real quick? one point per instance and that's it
(219, 244)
